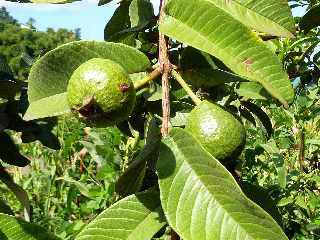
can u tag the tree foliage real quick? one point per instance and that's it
(21, 45)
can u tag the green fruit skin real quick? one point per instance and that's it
(219, 132)
(109, 84)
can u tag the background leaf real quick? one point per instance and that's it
(262, 116)
(12, 228)
(135, 217)
(311, 19)
(9, 153)
(4, 208)
(102, 2)
(131, 180)
(54, 1)
(140, 12)
(200, 198)
(119, 21)
(18, 191)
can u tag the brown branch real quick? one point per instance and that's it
(165, 69)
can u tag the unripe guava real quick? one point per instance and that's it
(219, 132)
(101, 92)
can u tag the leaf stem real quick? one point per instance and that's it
(150, 77)
(185, 86)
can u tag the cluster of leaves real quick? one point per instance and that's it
(286, 165)
(70, 186)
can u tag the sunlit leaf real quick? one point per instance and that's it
(135, 217)
(205, 26)
(201, 199)
(12, 228)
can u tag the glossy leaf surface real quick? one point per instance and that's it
(201, 199)
(205, 26)
(135, 217)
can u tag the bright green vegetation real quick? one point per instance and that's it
(69, 186)
(101, 92)
(219, 132)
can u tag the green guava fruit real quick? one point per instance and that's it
(218, 131)
(101, 92)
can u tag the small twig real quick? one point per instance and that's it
(301, 149)
(150, 77)
(165, 69)
(185, 86)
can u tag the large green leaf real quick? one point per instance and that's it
(207, 27)
(50, 75)
(12, 228)
(201, 199)
(269, 16)
(54, 105)
(137, 217)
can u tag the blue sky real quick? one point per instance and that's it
(84, 14)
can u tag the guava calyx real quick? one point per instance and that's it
(88, 108)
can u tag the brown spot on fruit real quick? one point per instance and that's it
(124, 87)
